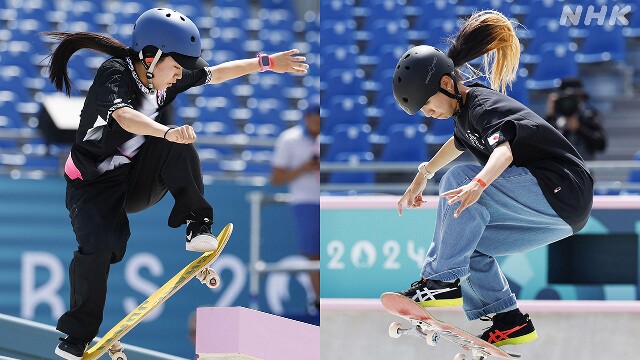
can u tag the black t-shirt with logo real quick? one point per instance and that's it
(101, 144)
(489, 118)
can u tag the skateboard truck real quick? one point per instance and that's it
(116, 351)
(209, 277)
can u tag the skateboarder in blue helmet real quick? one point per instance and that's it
(530, 189)
(126, 158)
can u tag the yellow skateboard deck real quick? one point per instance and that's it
(111, 339)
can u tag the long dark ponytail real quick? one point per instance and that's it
(491, 35)
(70, 42)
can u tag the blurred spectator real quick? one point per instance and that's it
(579, 122)
(296, 161)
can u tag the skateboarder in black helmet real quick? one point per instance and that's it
(124, 160)
(530, 189)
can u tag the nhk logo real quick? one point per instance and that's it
(617, 16)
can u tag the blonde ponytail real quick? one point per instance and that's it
(489, 34)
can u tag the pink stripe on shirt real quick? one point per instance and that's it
(71, 170)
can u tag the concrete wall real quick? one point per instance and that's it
(358, 329)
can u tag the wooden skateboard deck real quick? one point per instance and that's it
(110, 342)
(424, 325)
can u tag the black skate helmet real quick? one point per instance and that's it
(417, 77)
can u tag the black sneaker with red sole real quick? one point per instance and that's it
(509, 328)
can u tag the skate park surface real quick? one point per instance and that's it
(358, 329)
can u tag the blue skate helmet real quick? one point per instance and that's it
(172, 33)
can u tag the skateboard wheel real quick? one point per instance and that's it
(119, 356)
(460, 357)
(394, 330)
(432, 338)
(212, 279)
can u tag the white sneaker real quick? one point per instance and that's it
(199, 236)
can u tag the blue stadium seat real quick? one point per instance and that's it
(559, 62)
(543, 9)
(604, 43)
(278, 4)
(385, 32)
(387, 61)
(343, 82)
(518, 90)
(633, 29)
(336, 10)
(277, 18)
(349, 138)
(338, 32)
(547, 33)
(228, 39)
(345, 110)
(338, 56)
(439, 132)
(434, 9)
(15, 86)
(354, 159)
(406, 143)
(389, 10)
(276, 40)
(393, 115)
(439, 30)
(9, 116)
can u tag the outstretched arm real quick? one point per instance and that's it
(468, 194)
(412, 198)
(282, 62)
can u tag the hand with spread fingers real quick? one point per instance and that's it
(412, 198)
(467, 195)
(286, 62)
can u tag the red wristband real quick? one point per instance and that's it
(480, 181)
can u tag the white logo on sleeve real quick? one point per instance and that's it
(494, 138)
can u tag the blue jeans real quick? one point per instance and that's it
(512, 216)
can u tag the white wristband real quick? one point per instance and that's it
(427, 174)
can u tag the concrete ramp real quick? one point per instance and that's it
(29, 340)
(235, 333)
(594, 330)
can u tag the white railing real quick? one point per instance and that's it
(257, 266)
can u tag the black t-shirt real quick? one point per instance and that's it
(101, 144)
(489, 118)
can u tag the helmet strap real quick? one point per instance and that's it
(150, 67)
(456, 94)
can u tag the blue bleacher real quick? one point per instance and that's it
(604, 43)
(547, 74)
(392, 115)
(344, 81)
(349, 138)
(230, 29)
(406, 143)
(345, 110)
(336, 10)
(338, 32)
(353, 159)
(545, 33)
(439, 132)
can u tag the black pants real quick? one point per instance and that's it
(98, 211)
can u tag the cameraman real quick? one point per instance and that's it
(579, 122)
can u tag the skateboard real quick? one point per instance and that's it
(424, 325)
(199, 268)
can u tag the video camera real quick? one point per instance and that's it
(567, 103)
